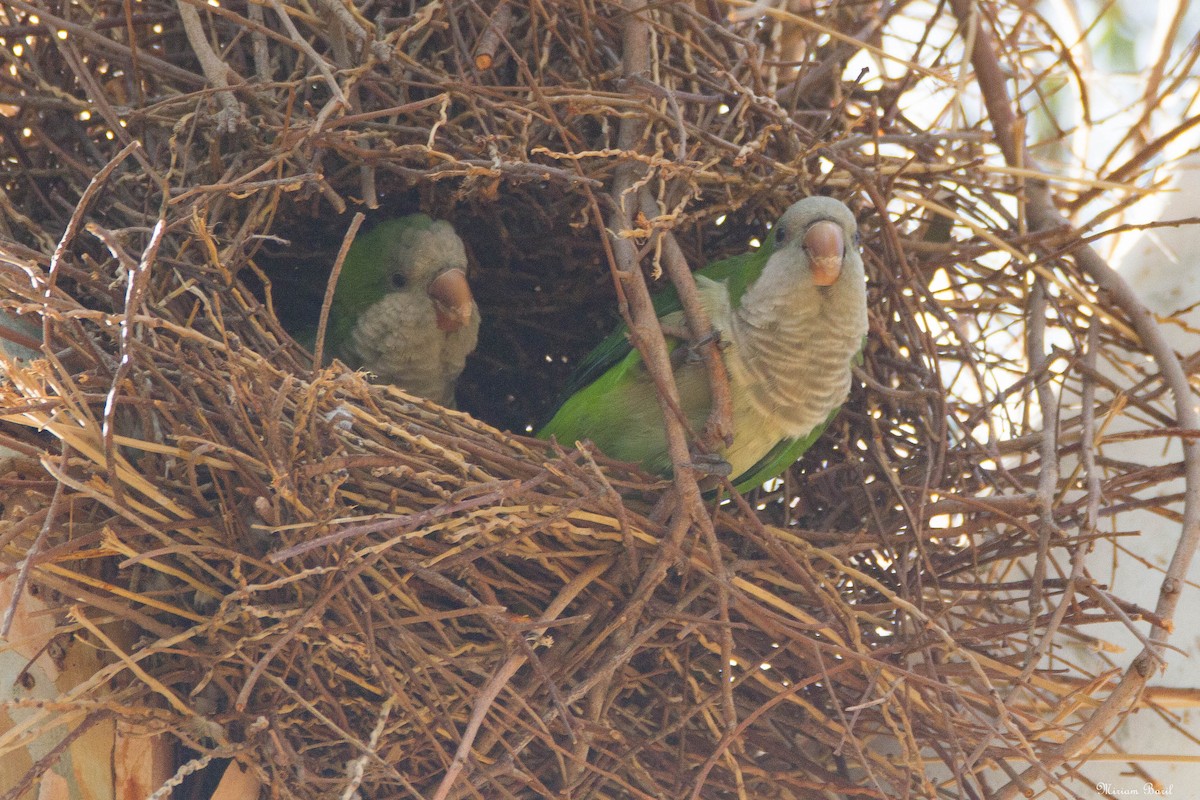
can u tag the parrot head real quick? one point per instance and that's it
(818, 235)
(413, 255)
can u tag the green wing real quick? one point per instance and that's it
(737, 271)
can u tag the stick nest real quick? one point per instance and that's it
(343, 588)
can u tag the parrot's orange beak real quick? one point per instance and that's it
(826, 248)
(452, 300)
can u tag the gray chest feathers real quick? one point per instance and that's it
(794, 350)
(398, 340)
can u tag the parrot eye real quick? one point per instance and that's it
(398, 280)
(781, 236)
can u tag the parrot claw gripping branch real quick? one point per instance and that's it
(228, 571)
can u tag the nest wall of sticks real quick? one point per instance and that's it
(323, 585)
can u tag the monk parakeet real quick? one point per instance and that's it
(402, 308)
(791, 318)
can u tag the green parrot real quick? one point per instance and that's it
(791, 317)
(402, 308)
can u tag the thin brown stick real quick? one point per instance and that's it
(331, 288)
(1048, 477)
(493, 34)
(718, 429)
(216, 70)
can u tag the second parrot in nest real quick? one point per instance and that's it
(402, 308)
(791, 316)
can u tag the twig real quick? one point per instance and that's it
(342, 13)
(1048, 477)
(26, 565)
(260, 49)
(308, 50)
(645, 332)
(20, 786)
(496, 30)
(81, 207)
(331, 288)
(487, 695)
(51, 23)
(217, 71)
(718, 429)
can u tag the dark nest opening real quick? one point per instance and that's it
(233, 567)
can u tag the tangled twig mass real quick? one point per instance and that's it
(343, 589)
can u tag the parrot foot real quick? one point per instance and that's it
(681, 333)
(710, 464)
(690, 352)
(712, 337)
